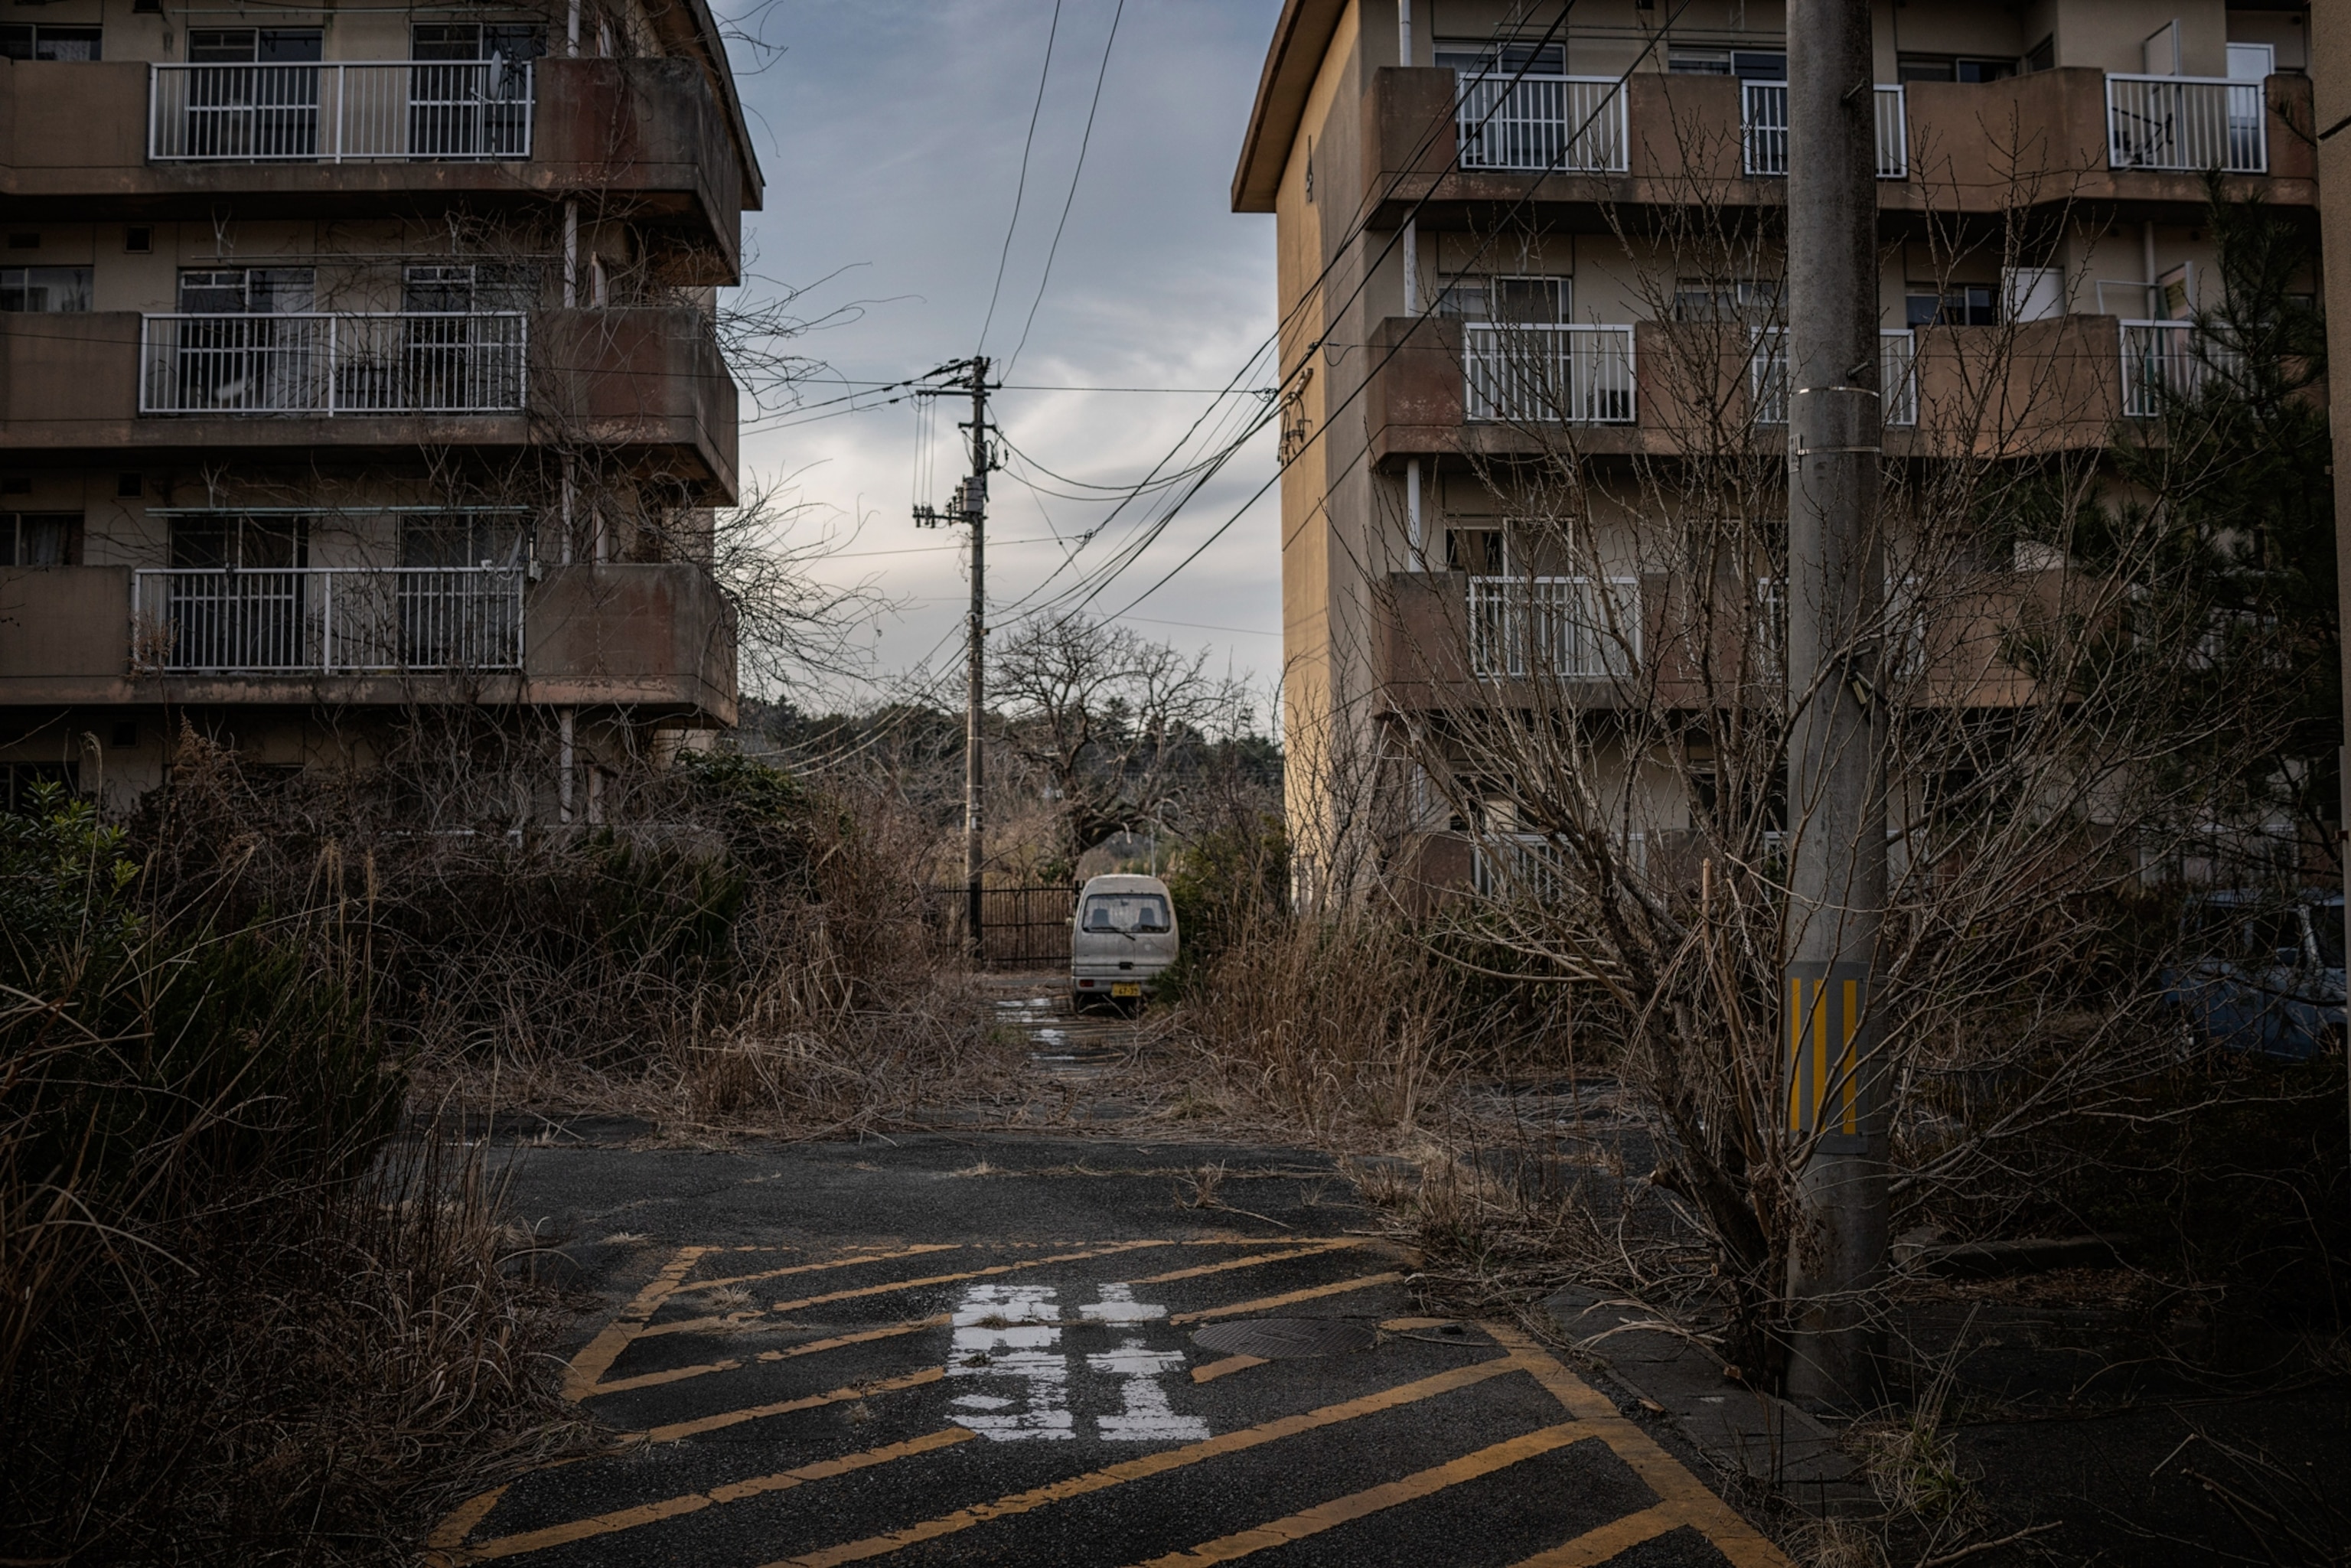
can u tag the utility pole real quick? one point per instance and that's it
(1836, 567)
(970, 507)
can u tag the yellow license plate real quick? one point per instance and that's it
(1126, 988)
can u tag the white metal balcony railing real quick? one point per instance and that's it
(1573, 125)
(1534, 867)
(2192, 123)
(2165, 361)
(422, 110)
(1897, 372)
(1568, 627)
(320, 363)
(1548, 373)
(330, 620)
(1764, 128)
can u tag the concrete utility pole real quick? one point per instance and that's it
(970, 506)
(975, 760)
(1836, 798)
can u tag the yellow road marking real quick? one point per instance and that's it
(1345, 1509)
(1217, 1369)
(694, 1503)
(831, 1263)
(1156, 1464)
(1249, 1262)
(1264, 1303)
(460, 1520)
(679, 1373)
(676, 1430)
(1676, 1488)
(1597, 1546)
(587, 1368)
(737, 1320)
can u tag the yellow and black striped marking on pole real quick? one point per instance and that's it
(1827, 1011)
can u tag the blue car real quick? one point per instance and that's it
(2261, 972)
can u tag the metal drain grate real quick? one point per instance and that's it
(1273, 1339)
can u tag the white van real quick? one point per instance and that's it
(1121, 936)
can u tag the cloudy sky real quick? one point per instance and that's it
(892, 136)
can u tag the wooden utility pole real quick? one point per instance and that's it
(1836, 786)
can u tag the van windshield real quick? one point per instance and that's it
(1127, 912)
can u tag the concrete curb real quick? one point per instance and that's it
(1757, 1439)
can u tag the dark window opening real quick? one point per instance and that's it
(1953, 68)
(1958, 305)
(39, 539)
(1474, 59)
(31, 41)
(45, 290)
(255, 46)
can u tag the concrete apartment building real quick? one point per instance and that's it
(1424, 217)
(357, 363)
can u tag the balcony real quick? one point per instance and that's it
(392, 110)
(2195, 124)
(1557, 123)
(126, 140)
(1560, 373)
(647, 384)
(2166, 362)
(657, 638)
(1763, 129)
(1439, 387)
(329, 621)
(333, 363)
(1447, 642)
(1565, 628)
(2053, 137)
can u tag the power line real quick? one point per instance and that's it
(1067, 202)
(1021, 187)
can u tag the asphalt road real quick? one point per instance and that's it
(988, 1349)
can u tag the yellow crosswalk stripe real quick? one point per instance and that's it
(1267, 1303)
(1154, 1464)
(1357, 1505)
(1597, 1546)
(741, 1320)
(679, 1373)
(1251, 1262)
(700, 1424)
(847, 1261)
(587, 1368)
(1676, 1488)
(694, 1503)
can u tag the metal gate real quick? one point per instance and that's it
(1021, 927)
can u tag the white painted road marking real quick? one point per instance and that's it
(1009, 1331)
(1147, 1417)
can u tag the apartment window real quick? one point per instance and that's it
(2043, 56)
(255, 46)
(245, 543)
(1478, 57)
(1749, 65)
(247, 291)
(31, 41)
(44, 289)
(1463, 298)
(1478, 552)
(1955, 305)
(1953, 68)
(1725, 300)
(471, 41)
(463, 539)
(38, 538)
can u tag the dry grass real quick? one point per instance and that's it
(299, 1376)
